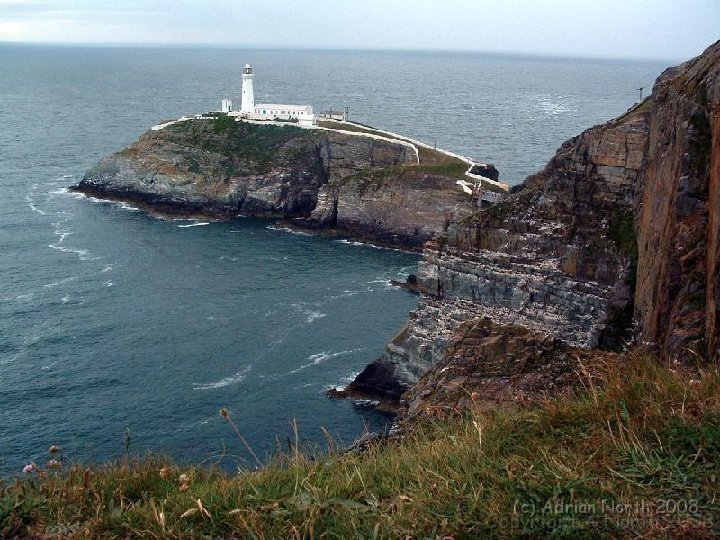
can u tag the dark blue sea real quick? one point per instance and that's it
(111, 319)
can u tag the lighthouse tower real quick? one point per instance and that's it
(247, 103)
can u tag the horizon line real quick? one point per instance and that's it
(169, 45)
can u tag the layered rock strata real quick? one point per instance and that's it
(618, 237)
(556, 257)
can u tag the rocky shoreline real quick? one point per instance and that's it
(614, 243)
(321, 181)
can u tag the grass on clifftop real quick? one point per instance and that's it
(635, 452)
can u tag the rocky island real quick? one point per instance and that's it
(341, 178)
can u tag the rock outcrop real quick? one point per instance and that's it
(364, 187)
(557, 256)
(490, 363)
(618, 238)
(677, 303)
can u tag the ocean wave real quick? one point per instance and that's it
(319, 358)
(345, 294)
(34, 207)
(344, 381)
(128, 207)
(83, 254)
(365, 244)
(310, 315)
(62, 233)
(222, 383)
(288, 230)
(78, 195)
(61, 282)
(350, 242)
(31, 197)
(199, 224)
(549, 106)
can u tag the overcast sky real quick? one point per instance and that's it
(662, 29)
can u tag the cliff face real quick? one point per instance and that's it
(361, 186)
(556, 257)
(678, 216)
(618, 237)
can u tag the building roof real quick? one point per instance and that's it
(280, 106)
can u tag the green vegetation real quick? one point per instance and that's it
(634, 452)
(250, 148)
(621, 230)
(223, 123)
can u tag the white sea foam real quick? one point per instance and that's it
(227, 381)
(310, 315)
(365, 244)
(62, 233)
(288, 230)
(200, 224)
(349, 242)
(385, 282)
(319, 358)
(344, 381)
(30, 198)
(128, 207)
(34, 207)
(61, 282)
(550, 106)
(83, 254)
(345, 294)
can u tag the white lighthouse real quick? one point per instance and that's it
(247, 103)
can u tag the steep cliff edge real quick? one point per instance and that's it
(678, 216)
(617, 238)
(366, 187)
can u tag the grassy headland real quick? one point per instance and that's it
(634, 451)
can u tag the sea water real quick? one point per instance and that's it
(112, 320)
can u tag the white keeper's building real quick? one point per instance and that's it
(302, 114)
